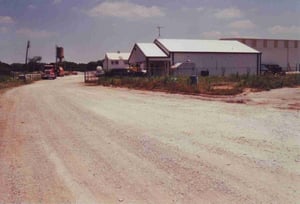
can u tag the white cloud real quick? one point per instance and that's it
(228, 13)
(125, 10)
(35, 33)
(6, 20)
(188, 9)
(31, 6)
(242, 24)
(284, 29)
(212, 35)
(57, 1)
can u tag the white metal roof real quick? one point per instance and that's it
(151, 50)
(117, 55)
(216, 46)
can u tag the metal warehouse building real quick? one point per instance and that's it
(218, 57)
(285, 53)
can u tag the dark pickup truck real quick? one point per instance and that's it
(275, 69)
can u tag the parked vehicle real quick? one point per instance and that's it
(49, 69)
(99, 71)
(60, 72)
(48, 74)
(267, 69)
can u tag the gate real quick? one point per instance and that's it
(90, 77)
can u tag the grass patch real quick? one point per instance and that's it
(270, 82)
(8, 82)
(212, 85)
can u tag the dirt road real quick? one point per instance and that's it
(62, 142)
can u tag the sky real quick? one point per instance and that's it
(87, 29)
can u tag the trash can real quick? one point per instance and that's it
(193, 80)
(205, 73)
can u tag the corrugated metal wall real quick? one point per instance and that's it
(220, 64)
(281, 52)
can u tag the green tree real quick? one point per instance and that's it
(5, 68)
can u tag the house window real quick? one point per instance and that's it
(125, 61)
(296, 44)
(114, 62)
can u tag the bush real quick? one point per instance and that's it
(4, 78)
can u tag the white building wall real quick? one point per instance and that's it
(220, 64)
(281, 52)
(137, 56)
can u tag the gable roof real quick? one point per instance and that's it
(212, 46)
(151, 50)
(117, 55)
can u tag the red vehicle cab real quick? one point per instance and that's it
(49, 72)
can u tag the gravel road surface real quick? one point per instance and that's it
(63, 142)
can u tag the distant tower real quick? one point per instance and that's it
(59, 58)
(59, 54)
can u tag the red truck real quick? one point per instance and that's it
(50, 72)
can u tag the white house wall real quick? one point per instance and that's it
(219, 64)
(107, 65)
(137, 56)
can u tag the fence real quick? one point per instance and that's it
(90, 77)
(27, 77)
(33, 77)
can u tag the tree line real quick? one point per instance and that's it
(35, 64)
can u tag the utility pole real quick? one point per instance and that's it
(26, 59)
(27, 49)
(159, 28)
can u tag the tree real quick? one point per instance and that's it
(17, 67)
(70, 66)
(35, 59)
(4, 68)
(34, 63)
